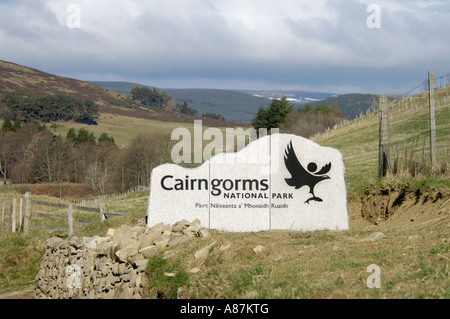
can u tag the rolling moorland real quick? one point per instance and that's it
(242, 105)
(412, 214)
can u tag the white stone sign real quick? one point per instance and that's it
(278, 182)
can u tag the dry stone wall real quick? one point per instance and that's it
(107, 267)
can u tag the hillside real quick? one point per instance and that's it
(351, 105)
(234, 106)
(25, 81)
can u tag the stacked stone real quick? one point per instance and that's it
(107, 267)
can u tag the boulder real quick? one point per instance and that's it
(203, 252)
(181, 226)
(193, 229)
(176, 239)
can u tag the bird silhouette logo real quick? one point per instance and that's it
(301, 177)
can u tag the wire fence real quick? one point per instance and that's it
(419, 128)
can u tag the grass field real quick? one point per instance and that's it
(122, 128)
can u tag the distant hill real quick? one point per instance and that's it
(234, 106)
(351, 105)
(25, 81)
(28, 82)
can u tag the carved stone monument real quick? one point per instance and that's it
(278, 182)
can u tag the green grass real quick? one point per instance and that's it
(161, 284)
(359, 149)
(20, 258)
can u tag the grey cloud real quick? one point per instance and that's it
(166, 43)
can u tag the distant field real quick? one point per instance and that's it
(122, 128)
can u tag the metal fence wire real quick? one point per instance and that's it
(411, 135)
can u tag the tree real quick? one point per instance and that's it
(82, 137)
(142, 155)
(309, 121)
(71, 135)
(5, 153)
(91, 139)
(7, 125)
(273, 116)
(104, 140)
(278, 110)
(16, 125)
(185, 109)
(153, 98)
(50, 108)
(260, 120)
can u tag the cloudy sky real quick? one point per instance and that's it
(338, 46)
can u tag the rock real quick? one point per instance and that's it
(92, 244)
(126, 252)
(110, 234)
(415, 237)
(74, 241)
(162, 241)
(122, 233)
(194, 270)
(135, 258)
(106, 249)
(148, 238)
(141, 265)
(157, 228)
(180, 226)
(55, 242)
(204, 233)
(167, 228)
(224, 247)
(123, 269)
(176, 239)
(203, 252)
(170, 274)
(150, 251)
(127, 242)
(258, 249)
(373, 237)
(137, 230)
(112, 266)
(193, 229)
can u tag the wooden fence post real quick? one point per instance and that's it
(383, 155)
(3, 212)
(20, 213)
(432, 120)
(13, 215)
(70, 220)
(27, 214)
